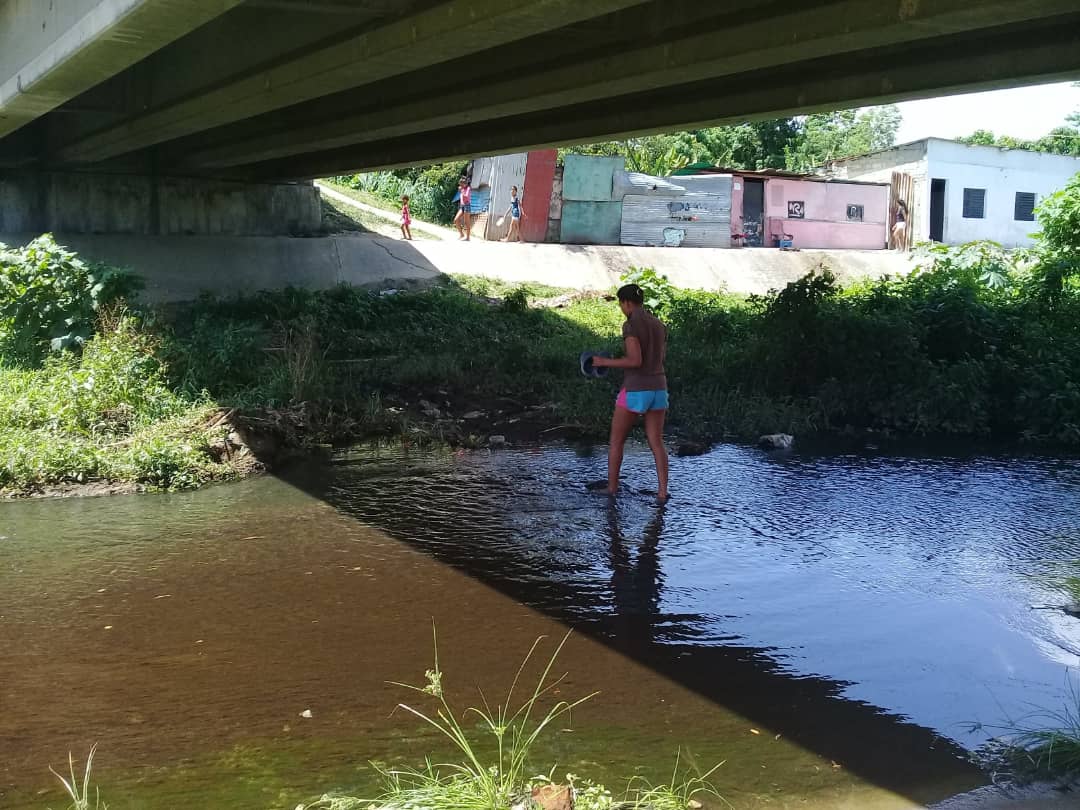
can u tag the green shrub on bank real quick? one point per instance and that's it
(50, 299)
(965, 346)
(105, 414)
(431, 189)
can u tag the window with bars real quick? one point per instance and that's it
(1024, 206)
(974, 203)
(855, 213)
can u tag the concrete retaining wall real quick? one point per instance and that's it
(178, 268)
(137, 204)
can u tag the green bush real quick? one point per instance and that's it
(1056, 268)
(657, 289)
(50, 299)
(107, 413)
(1059, 220)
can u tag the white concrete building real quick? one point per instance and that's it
(962, 192)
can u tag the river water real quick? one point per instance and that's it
(830, 626)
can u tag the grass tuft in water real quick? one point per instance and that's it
(1043, 744)
(504, 779)
(80, 796)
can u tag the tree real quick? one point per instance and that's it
(828, 136)
(794, 143)
(980, 137)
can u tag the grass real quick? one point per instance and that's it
(342, 212)
(366, 197)
(506, 778)
(80, 796)
(940, 353)
(1043, 744)
(107, 414)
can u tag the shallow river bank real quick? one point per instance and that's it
(826, 625)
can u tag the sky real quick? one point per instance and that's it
(1023, 112)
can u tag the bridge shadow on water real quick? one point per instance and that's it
(480, 525)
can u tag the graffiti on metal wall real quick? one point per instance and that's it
(691, 211)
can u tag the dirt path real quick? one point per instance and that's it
(424, 227)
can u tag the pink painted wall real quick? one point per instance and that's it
(825, 224)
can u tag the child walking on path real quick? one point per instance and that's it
(516, 214)
(406, 218)
(644, 392)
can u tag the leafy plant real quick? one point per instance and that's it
(50, 299)
(476, 783)
(983, 261)
(1058, 266)
(517, 300)
(659, 291)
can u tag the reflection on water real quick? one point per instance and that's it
(911, 581)
(856, 611)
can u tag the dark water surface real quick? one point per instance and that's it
(828, 625)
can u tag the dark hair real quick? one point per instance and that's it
(901, 205)
(631, 293)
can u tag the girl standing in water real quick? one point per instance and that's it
(644, 392)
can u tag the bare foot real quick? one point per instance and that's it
(601, 488)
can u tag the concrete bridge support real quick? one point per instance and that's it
(144, 205)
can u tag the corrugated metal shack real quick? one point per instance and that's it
(771, 207)
(670, 214)
(492, 179)
(593, 200)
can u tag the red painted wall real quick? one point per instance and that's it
(536, 195)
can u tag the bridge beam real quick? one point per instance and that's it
(1011, 56)
(432, 36)
(751, 43)
(52, 52)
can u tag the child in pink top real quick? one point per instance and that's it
(406, 218)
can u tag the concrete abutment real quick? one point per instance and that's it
(148, 205)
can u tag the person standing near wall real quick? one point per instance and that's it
(899, 228)
(463, 220)
(644, 392)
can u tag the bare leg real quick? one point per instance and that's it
(467, 220)
(622, 422)
(654, 433)
(457, 223)
(408, 233)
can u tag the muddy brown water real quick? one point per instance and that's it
(828, 626)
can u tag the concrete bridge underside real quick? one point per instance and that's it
(269, 90)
